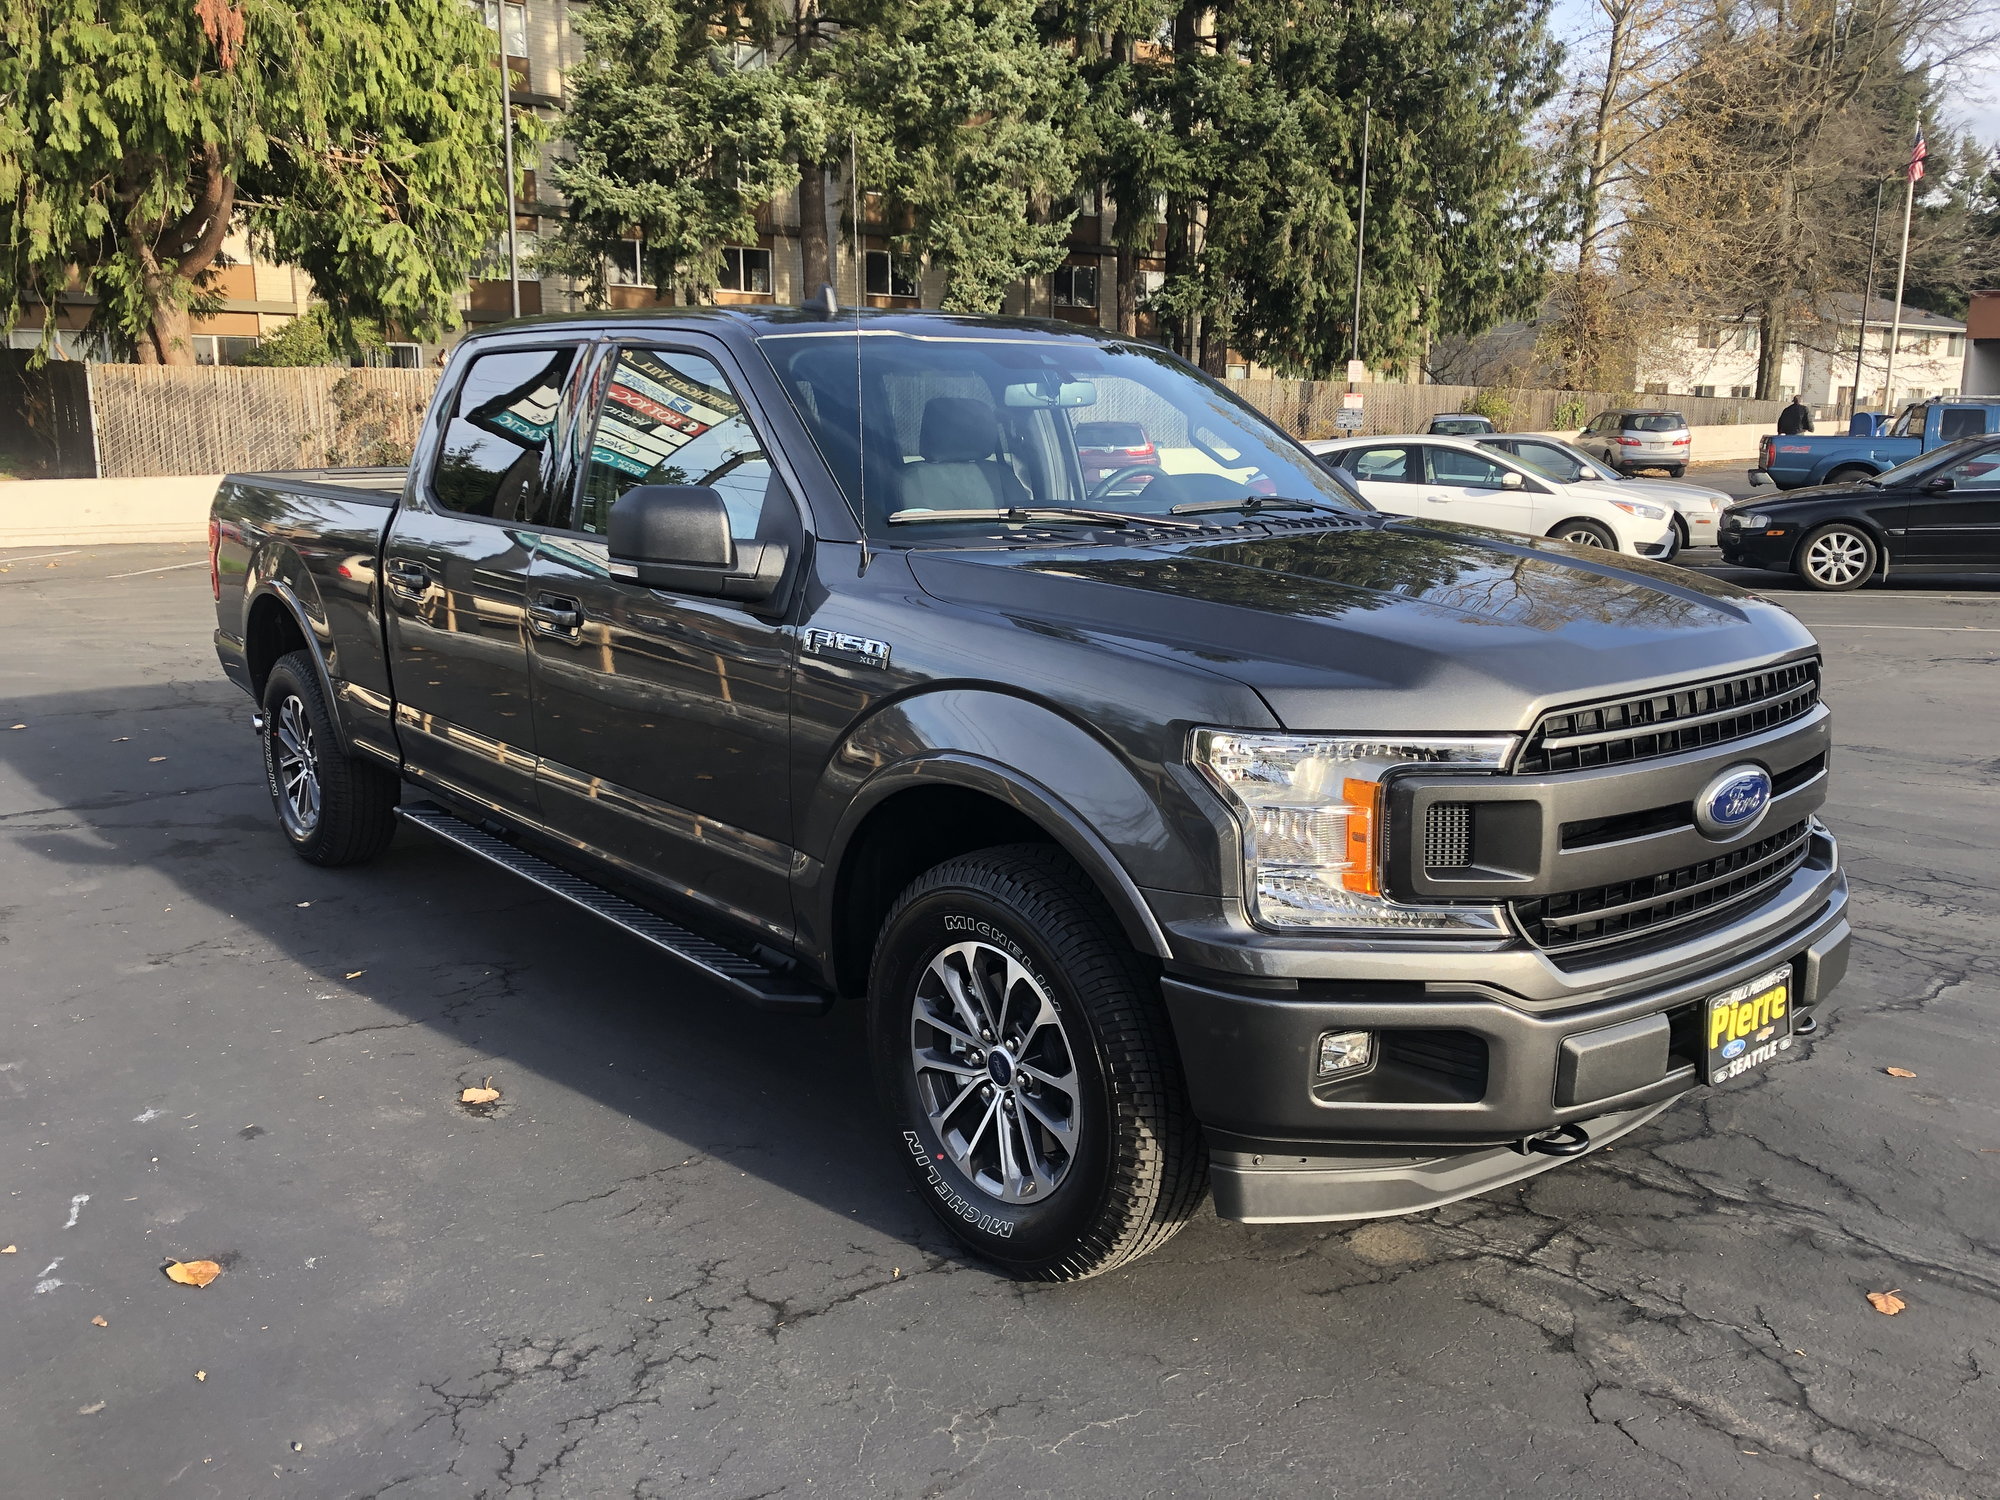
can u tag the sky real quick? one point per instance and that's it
(1973, 106)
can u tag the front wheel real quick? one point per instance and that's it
(1836, 558)
(1584, 533)
(335, 810)
(1026, 1062)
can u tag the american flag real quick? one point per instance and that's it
(1917, 155)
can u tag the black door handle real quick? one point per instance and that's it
(553, 615)
(407, 577)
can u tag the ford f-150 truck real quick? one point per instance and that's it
(1182, 825)
(1838, 458)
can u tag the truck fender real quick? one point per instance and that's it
(1076, 789)
(310, 625)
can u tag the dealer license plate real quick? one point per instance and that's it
(1750, 1026)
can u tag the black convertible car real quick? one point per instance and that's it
(1939, 513)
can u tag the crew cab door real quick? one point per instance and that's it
(1959, 524)
(454, 576)
(664, 718)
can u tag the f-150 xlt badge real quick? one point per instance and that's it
(843, 647)
(1734, 802)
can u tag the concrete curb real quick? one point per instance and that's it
(89, 512)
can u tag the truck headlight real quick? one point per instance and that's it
(1314, 823)
(1638, 508)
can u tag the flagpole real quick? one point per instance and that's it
(1867, 296)
(1911, 173)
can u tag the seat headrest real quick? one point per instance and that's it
(957, 430)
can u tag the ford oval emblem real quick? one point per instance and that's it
(1733, 803)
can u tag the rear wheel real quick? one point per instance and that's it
(1849, 474)
(1584, 533)
(1025, 1058)
(1836, 558)
(335, 810)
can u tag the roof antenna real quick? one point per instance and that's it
(824, 302)
(860, 283)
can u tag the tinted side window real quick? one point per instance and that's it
(1955, 422)
(1383, 465)
(670, 417)
(490, 463)
(1451, 466)
(1981, 472)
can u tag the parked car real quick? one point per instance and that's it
(1460, 424)
(1633, 438)
(1226, 834)
(1105, 448)
(1836, 458)
(1694, 509)
(1938, 513)
(1456, 479)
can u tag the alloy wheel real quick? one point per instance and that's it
(996, 1072)
(1836, 558)
(1580, 537)
(297, 760)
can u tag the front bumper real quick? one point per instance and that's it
(1766, 547)
(1468, 1072)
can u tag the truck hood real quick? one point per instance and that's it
(1383, 625)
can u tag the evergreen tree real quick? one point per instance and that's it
(357, 139)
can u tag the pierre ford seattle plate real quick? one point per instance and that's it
(1748, 1027)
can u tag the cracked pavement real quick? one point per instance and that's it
(679, 1256)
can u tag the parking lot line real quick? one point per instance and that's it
(199, 562)
(1859, 625)
(37, 556)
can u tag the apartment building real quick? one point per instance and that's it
(1719, 358)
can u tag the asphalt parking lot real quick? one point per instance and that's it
(679, 1258)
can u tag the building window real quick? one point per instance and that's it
(626, 265)
(1657, 388)
(1704, 390)
(517, 24)
(1954, 344)
(1742, 391)
(1236, 372)
(891, 275)
(745, 269)
(748, 57)
(1076, 286)
(1710, 337)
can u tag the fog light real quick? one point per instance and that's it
(1345, 1051)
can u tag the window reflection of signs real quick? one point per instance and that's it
(526, 413)
(652, 411)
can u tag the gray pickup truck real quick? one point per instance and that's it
(1181, 823)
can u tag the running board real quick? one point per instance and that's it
(744, 978)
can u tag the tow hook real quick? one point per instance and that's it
(257, 722)
(1564, 1140)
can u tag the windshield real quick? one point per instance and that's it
(1937, 458)
(980, 424)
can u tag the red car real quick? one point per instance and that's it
(1106, 447)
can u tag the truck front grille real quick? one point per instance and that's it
(1684, 718)
(1573, 920)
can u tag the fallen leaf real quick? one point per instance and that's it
(17, 726)
(484, 1094)
(1887, 1303)
(10, 1249)
(91, 1410)
(305, 903)
(357, 973)
(154, 760)
(193, 1272)
(1899, 1072)
(201, 1374)
(122, 739)
(100, 1321)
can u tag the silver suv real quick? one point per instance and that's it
(1634, 438)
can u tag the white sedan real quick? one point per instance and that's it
(1455, 479)
(1697, 510)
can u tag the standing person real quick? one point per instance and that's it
(1794, 419)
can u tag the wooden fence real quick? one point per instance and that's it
(153, 419)
(1306, 408)
(157, 419)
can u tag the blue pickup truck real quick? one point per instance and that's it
(1836, 458)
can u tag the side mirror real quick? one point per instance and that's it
(677, 537)
(1937, 484)
(1509, 480)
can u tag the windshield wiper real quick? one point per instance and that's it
(1250, 505)
(1071, 513)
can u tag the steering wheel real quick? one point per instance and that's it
(1105, 481)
